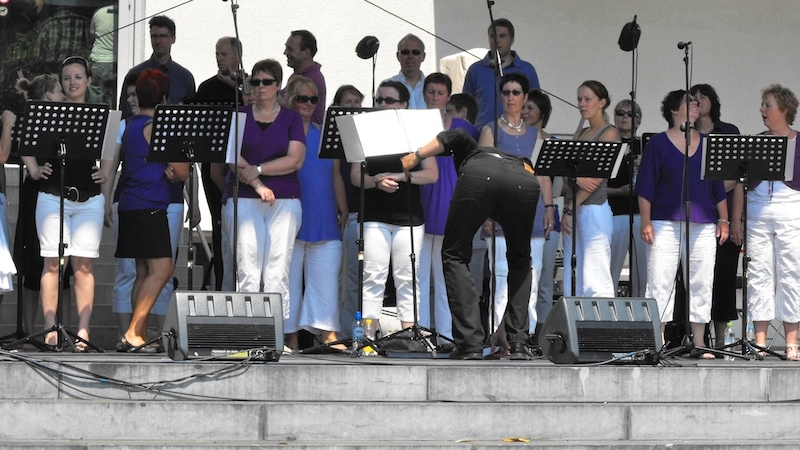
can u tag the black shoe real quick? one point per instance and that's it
(127, 347)
(447, 347)
(470, 355)
(519, 352)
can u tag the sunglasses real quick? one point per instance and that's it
(305, 99)
(621, 113)
(264, 81)
(414, 52)
(387, 100)
(507, 92)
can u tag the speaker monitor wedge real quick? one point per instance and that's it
(584, 330)
(203, 324)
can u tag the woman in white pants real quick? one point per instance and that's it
(662, 209)
(389, 219)
(773, 233)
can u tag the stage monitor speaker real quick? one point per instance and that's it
(225, 325)
(584, 330)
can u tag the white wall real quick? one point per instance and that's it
(740, 46)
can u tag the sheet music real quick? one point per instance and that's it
(230, 157)
(387, 132)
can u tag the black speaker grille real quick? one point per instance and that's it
(615, 337)
(210, 333)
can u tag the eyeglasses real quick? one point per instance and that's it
(305, 99)
(264, 81)
(415, 52)
(387, 100)
(507, 92)
(621, 113)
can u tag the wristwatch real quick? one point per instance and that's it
(258, 169)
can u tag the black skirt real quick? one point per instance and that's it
(143, 234)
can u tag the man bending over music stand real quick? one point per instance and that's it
(503, 187)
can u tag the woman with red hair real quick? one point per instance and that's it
(144, 197)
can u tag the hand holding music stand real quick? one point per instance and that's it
(578, 159)
(63, 131)
(760, 157)
(190, 133)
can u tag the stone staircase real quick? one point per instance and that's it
(323, 402)
(103, 324)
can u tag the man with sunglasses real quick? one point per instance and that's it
(410, 55)
(300, 50)
(479, 81)
(181, 81)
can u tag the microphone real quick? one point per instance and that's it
(367, 47)
(629, 37)
(682, 45)
(683, 126)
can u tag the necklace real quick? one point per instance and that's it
(517, 128)
(260, 111)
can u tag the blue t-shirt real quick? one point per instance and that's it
(142, 184)
(318, 200)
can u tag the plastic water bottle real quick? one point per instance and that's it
(730, 338)
(369, 335)
(751, 335)
(358, 332)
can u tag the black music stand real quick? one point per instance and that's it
(63, 131)
(190, 133)
(575, 159)
(741, 158)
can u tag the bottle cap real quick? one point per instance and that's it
(358, 315)
(730, 324)
(369, 321)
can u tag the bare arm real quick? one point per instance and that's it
(284, 165)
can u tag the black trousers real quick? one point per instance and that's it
(498, 187)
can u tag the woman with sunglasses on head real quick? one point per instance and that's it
(83, 215)
(619, 198)
(273, 150)
(723, 300)
(591, 221)
(45, 87)
(773, 233)
(516, 138)
(389, 218)
(317, 255)
(662, 208)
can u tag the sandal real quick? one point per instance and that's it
(792, 352)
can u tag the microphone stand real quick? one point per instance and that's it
(633, 260)
(236, 149)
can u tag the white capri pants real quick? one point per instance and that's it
(315, 264)
(384, 242)
(773, 284)
(431, 273)
(663, 257)
(83, 225)
(264, 246)
(501, 280)
(594, 230)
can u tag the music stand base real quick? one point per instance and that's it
(64, 335)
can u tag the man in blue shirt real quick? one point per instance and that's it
(181, 81)
(480, 82)
(410, 55)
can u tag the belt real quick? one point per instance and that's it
(70, 193)
(524, 162)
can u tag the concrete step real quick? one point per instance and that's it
(328, 401)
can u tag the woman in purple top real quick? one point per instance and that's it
(662, 213)
(773, 234)
(435, 204)
(317, 255)
(144, 195)
(723, 300)
(269, 212)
